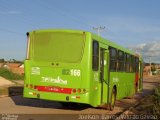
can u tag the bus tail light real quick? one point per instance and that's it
(35, 87)
(31, 86)
(84, 90)
(74, 91)
(79, 90)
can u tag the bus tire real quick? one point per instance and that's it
(136, 88)
(113, 99)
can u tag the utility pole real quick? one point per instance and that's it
(99, 29)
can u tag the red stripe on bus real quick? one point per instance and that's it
(54, 89)
(136, 77)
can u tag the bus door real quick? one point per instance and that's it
(104, 74)
(141, 76)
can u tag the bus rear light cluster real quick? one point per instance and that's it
(31, 86)
(79, 90)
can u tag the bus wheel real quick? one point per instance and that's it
(113, 99)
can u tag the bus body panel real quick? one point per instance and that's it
(56, 80)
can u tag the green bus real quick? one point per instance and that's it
(80, 67)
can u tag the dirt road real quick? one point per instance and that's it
(19, 105)
(5, 82)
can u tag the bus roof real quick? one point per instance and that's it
(59, 30)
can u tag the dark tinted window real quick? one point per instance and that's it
(132, 64)
(121, 55)
(137, 64)
(95, 56)
(113, 53)
(113, 59)
(127, 63)
(121, 60)
(128, 58)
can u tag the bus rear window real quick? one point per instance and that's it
(58, 46)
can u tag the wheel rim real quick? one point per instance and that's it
(113, 99)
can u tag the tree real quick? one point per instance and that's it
(2, 60)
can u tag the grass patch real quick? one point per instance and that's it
(149, 105)
(10, 75)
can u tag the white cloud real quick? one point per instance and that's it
(148, 50)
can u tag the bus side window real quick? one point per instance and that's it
(120, 61)
(95, 56)
(133, 64)
(113, 59)
(128, 63)
(137, 64)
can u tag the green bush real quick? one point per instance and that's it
(157, 91)
(10, 75)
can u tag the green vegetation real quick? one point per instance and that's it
(157, 92)
(10, 75)
(2, 60)
(149, 105)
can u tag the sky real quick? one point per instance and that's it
(134, 24)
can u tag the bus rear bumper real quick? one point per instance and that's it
(77, 98)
